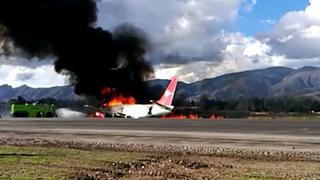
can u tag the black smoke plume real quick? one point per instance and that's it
(93, 57)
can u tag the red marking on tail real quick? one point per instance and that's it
(168, 95)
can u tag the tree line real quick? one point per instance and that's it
(277, 105)
(280, 104)
(55, 102)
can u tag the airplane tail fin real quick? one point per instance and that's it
(168, 95)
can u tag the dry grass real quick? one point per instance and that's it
(60, 163)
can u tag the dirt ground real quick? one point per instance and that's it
(33, 159)
(205, 167)
(29, 162)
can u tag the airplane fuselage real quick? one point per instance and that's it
(140, 110)
(157, 108)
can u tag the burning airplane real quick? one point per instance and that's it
(126, 107)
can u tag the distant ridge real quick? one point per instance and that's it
(264, 83)
(29, 93)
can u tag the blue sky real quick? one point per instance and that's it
(254, 21)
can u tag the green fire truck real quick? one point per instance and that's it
(33, 110)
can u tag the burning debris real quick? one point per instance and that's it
(97, 114)
(216, 117)
(192, 116)
(181, 116)
(92, 57)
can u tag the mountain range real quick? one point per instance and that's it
(263, 83)
(60, 92)
(270, 82)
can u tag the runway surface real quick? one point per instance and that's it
(302, 135)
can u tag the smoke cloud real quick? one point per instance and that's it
(93, 58)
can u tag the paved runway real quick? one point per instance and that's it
(303, 135)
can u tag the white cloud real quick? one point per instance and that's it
(164, 71)
(285, 39)
(44, 76)
(248, 6)
(19, 71)
(313, 10)
(255, 48)
(297, 34)
(184, 28)
(268, 21)
(239, 53)
(23, 62)
(312, 32)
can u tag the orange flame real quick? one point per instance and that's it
(119, 101)
(216, 117)
(181, 117)
(115, 98)
(97, 114)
